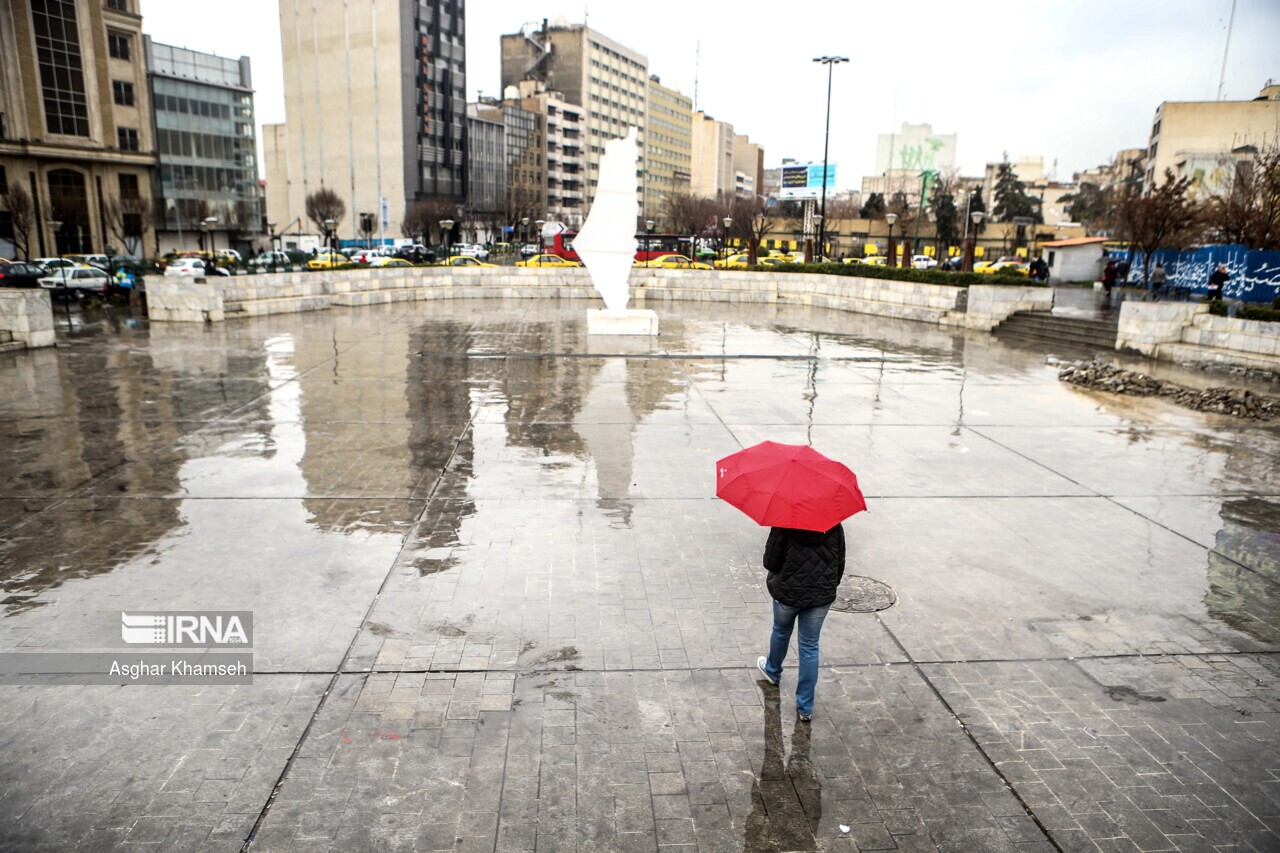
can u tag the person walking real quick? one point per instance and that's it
(1159, 278)
(805, 568)
(1217, 280)
(1109, 278)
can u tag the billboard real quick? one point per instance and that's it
(804, 180)
(915, 148)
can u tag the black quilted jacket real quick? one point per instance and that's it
(804, 567)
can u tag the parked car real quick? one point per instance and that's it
(270, 259)
(54, 263)
(672, 262)
(192, 266)
(1014, 266)
(365, 256)
(383, 261)
(466, 261)
(327, 259)
(102, 262)
(19, 274)
(471, 250)
(733, 262)
(528, 250)
(547, 261)
(78, 280)
(416, 254)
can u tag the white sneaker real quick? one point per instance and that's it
(760, 662)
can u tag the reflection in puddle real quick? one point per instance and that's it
(786, 798)
(1244, 568)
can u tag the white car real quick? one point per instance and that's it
(80, 279)
(923, 262)
(191, 266)
(471, 250)
(365, 256)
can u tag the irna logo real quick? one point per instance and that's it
(191, 628)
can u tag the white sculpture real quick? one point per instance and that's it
(607, 242)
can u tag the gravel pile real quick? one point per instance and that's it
(1102, 376)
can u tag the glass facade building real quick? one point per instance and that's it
(205, 139)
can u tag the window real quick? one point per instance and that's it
(128, 186)
(122, 90)
(127, 137)
(118, 5)
(4, 181)
(66, 110)
(119, 46)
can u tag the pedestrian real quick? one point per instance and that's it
(805, 567)
(1217, 279)
(1158, 280)
(1122, 272)
(1109, 277)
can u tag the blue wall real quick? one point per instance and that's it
(1255, 274)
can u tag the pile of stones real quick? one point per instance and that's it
(1103, 376)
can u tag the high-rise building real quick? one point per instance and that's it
(563, 157)
(748, 167)
(713, 173)
(668, 150)
(486, 167)
(1204, 140)
(375, 109)
(609, 81)
(75, 128)
(208, 175)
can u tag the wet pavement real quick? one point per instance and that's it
(496, 607)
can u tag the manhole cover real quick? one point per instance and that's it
(863, 595)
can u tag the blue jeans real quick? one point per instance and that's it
(784, 619)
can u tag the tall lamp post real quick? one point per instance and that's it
(831, 62)
(891, 251)
(818, 218)
(446, 225)
(540, 223)
(728, 223)
(524, 231)
(210, 223)
(976, 218)
(648, 244)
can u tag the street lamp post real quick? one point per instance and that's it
(446, 225)
(830, 62)
(211, 222)
(818, 218)
(728, 223)
(524, 232)
(328, 235)
(539, 223)
(891, 251)
(976, 218)
(648, 244)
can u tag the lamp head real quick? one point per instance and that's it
(891, 218)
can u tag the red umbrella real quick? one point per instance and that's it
(789, 485)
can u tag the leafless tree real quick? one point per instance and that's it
(22, 216)
(128, 220)
(325, 204)
(753, 220)
(1161, 219)
(422, 218)
(1249, 213)
(689, 214)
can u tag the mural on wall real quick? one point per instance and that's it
(1255, 274)
(915, 148)
(1210, 175)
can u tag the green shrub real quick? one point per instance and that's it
(1247, 311)
(934, 276)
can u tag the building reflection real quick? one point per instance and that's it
(1244, 568)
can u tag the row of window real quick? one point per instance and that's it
(200, 107)
(183, 178)
(207, 146)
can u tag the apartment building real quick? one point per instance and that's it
(668, 150)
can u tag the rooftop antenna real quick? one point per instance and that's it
(586, 21)
(697, 59)
(1222, 78)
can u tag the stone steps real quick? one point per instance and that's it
(1075, 332)
(279, 305)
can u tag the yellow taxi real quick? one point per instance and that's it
(734, 262)
(1016, 267)
(465, 261)
(383, 262)
(547, 261)
(672, 262)
(326, 259)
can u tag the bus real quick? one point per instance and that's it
(648, 246)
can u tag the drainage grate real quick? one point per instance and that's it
(863, 595)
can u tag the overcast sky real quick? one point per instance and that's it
(1069, 80)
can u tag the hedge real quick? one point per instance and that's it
(1265, 313)
(954, 279)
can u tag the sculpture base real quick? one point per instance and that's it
(632, 321)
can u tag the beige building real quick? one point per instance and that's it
(748, 167)
(562, 164)
(1202, 140)
(669, 145)
(375, 110)
(609, 81)
(75, 129)
(713, 173)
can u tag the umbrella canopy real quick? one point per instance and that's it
(789, 485)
